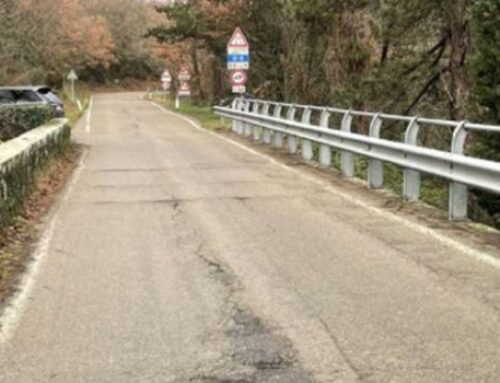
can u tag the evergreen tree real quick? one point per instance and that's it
(486, 90)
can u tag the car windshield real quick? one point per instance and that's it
(26, 96)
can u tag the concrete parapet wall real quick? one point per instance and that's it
(20, 160)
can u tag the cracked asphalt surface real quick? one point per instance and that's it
(178, 257)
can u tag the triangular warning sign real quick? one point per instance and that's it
(184, 71)
(238, 39)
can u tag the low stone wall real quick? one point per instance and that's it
(20, 160)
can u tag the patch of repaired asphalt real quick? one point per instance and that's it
(257, 348)
(256, 351)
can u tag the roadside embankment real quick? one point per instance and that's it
(34, 167)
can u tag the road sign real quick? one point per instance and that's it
(238, 62)
(72, 76)
(239, 88)
(238, 51)
(238, 78)
(166, 85)
(184, 74)
(238, 40)
(166, 76)
(184, 89)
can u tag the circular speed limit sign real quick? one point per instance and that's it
(238, 78)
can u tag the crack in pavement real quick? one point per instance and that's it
(256, 352)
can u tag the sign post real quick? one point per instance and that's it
(238, 60)
(166, 80)
(72, 76)
(184, 77)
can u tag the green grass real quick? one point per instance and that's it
(203, 114)
(73, 114)
(433, 190)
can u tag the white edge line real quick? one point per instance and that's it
(89, 115)
(478, 255)
(17, 305)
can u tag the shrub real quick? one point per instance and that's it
(17, 119)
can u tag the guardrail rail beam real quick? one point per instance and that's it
(460, 170)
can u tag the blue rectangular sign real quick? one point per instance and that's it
(238, 58)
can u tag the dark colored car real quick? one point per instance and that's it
(32, 95)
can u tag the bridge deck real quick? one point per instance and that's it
(179, 257)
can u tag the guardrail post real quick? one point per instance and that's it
(292, 141)
(459, 196)
(325, 152)
(412, 179)
(242, 126)
(307, 146)
(278, 136)
(257, 130)
(375, 167)
(249, 128)
(267, 132)
(346, 158)
(236, 105)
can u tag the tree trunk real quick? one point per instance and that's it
(459, 40)
(200, 94)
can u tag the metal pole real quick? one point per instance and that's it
(73, 90)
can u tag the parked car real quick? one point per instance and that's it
(52, 99)
(32, 94)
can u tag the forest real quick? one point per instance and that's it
(41, 40)
(434, 58)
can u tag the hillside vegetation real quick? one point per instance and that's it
(41, 40)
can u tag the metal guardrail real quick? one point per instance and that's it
(273, 123)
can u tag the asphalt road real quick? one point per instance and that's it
(177, 256)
